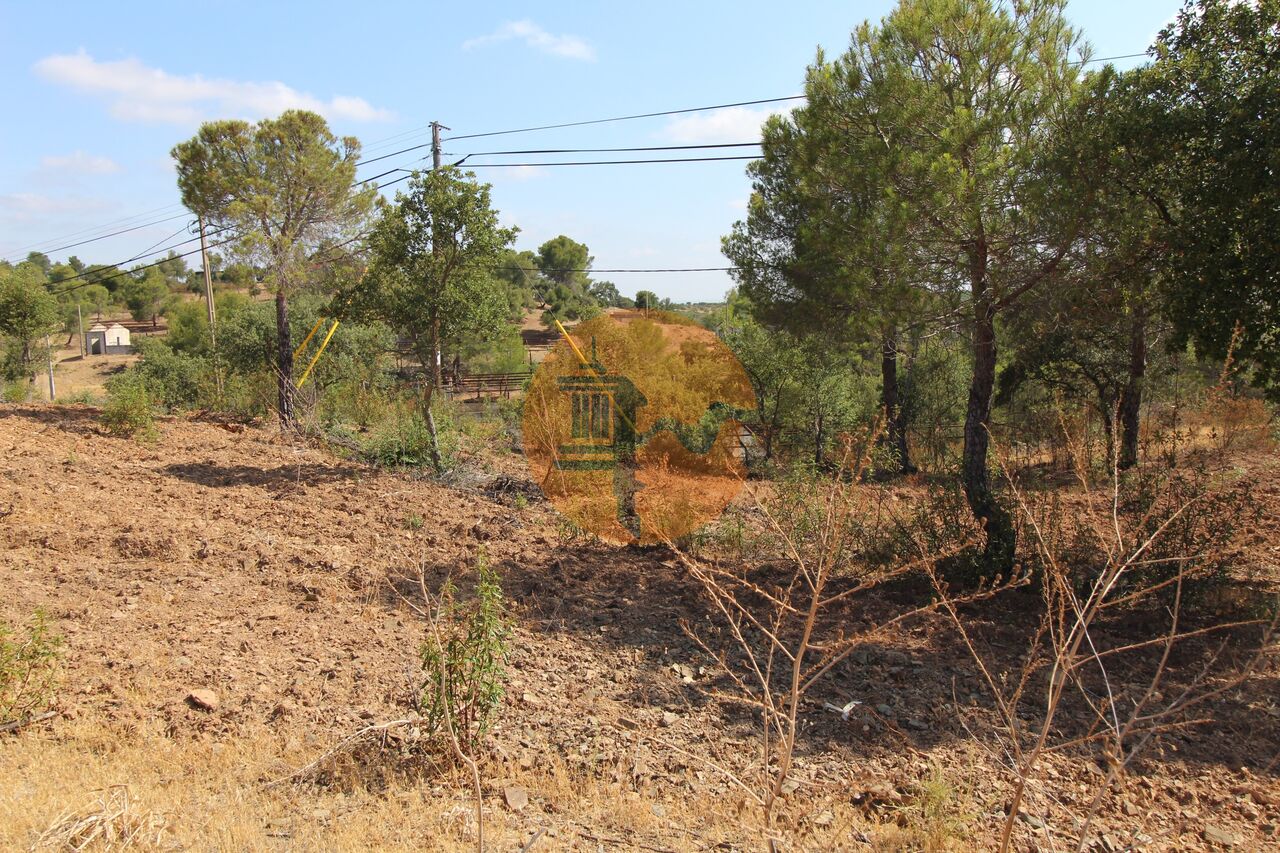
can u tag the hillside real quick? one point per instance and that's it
(239, 561)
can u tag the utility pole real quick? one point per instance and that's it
(208, 282)
(48, 348)
(435, 143)
(436, 127)
(208, 298)
(80, 329)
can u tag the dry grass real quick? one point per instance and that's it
(86, 787)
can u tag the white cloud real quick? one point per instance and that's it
(566, 46)
(734, 124)
(141, 93)
(80, 163)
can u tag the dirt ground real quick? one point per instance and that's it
(249, 564)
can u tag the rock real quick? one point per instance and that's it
(824, 819)
(1217, 835)
(884, 710)
(627, 723)
(1128, 807)
(203, 699)
(658, 809)
(918, 725)
(516, 797)
(669, 719)
(789, 787)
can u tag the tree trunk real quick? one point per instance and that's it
(891, 402)
(817, 441)
(432, 384)
(284, 360)
(1131, 399)
(977, 438)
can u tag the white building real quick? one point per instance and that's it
(112, 339)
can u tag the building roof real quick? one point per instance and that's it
(97, 327)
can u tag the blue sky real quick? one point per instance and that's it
(97, 94)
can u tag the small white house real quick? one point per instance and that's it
(112, 339)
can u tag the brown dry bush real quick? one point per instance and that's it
(778, 629)
(1088, 688)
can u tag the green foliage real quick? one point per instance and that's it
(145, 296)
(1204, 132)
(27, 313)
(464, 659)
(173, 379)
(402, 437)
(29, 661)
(16, 391)
(128, 411)
(287, 188)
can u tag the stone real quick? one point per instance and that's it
(517, 798)
(203, 699)
(1218, 835)
(669, 719)
(884, 710)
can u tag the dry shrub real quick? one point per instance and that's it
(1087, 685)
(111, 823)
(778, 629)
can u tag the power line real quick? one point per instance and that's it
(594, 150)
(1108, 58)
(566, 163)
(123, 273)
(613, 162)
(582, 124)
(99, 267)
(115, 233)
(231, 239)
(626, 118)
(91, 229)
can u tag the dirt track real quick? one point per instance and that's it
(264, 570)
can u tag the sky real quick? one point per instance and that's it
(97, 94)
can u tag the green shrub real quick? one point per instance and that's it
(16, 391)
(83, 397)
(128, 410)
(464, 660)
(175, 380)
(401, 437)
(28, 668)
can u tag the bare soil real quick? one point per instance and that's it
(270, 572)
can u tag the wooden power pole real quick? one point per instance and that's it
(80, 329)
(436, 127)
(48, 348)
(208, 284)
(208, 298)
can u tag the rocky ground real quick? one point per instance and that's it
(269, 579)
